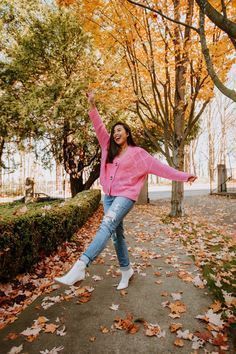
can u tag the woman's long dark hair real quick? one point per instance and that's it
(114, 149)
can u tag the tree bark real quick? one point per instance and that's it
(177, 193)
(217, 18)
(219, 84)
(94, 175)
(2, 144)
(76, 185)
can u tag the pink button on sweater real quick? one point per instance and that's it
(126, 175)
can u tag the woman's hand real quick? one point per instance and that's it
(191, 179)
(91, 99)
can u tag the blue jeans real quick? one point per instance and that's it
(115, 209)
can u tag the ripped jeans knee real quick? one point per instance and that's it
(115, 210)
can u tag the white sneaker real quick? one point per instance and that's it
(126, 275)
(76, 273)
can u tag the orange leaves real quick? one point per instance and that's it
(12, 336)
(50, 328)
(84, 297)
(104, 329)
(185, 276)
(179, 342)
(16, 296)
(175, 326)
(126, 324)
(177, 307)
(151, 330)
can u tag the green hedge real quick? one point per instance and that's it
(24, 238)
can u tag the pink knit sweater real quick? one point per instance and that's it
(126, 175)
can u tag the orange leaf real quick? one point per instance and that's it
(175, 326)
(216, 306)
(104, 329)
(31, 338)
(134, 329)
(50, 328)
(179, 342)
(92, 339)
(12, 335)
(177, 307)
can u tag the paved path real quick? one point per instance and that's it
(160, 263)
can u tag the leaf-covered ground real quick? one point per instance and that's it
(157, 247)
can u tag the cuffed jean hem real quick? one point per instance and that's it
(85, 259)
(125, 268)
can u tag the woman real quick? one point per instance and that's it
(124, 167)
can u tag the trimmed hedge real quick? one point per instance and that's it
(24, 238)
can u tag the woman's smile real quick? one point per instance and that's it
(120, 135)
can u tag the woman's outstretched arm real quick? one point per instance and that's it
(154, 166)
(100, 129)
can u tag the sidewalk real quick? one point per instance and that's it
(166, 290)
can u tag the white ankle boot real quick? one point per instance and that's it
(126, 275)
(76, 273)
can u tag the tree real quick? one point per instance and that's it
(48, 63)
(221, 21)
(164, 72)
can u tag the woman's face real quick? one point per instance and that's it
(120, 135)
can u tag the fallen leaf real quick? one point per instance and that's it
(92, 339)
(96, 277)
(123, 292)
(50, 328)
(104, 329)
(176, 296)
(54, 350)
(114, 307)
(16, 350)
(12, 336)
(216, 306)
(179, 342)
(157, 274)
(61, 332)
(31, 332)
(175, 326)
(177, 307)
(164, 293)
(184, 334)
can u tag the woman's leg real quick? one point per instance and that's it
(116, 209)
(120, 245)
(118, 238)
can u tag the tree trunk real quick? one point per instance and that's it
(93, 176)
(177, 195)
(211, 149)
(76, 185)
(58, 176)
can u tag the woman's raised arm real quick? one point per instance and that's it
(100, 129)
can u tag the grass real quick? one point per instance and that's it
(8, 210)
